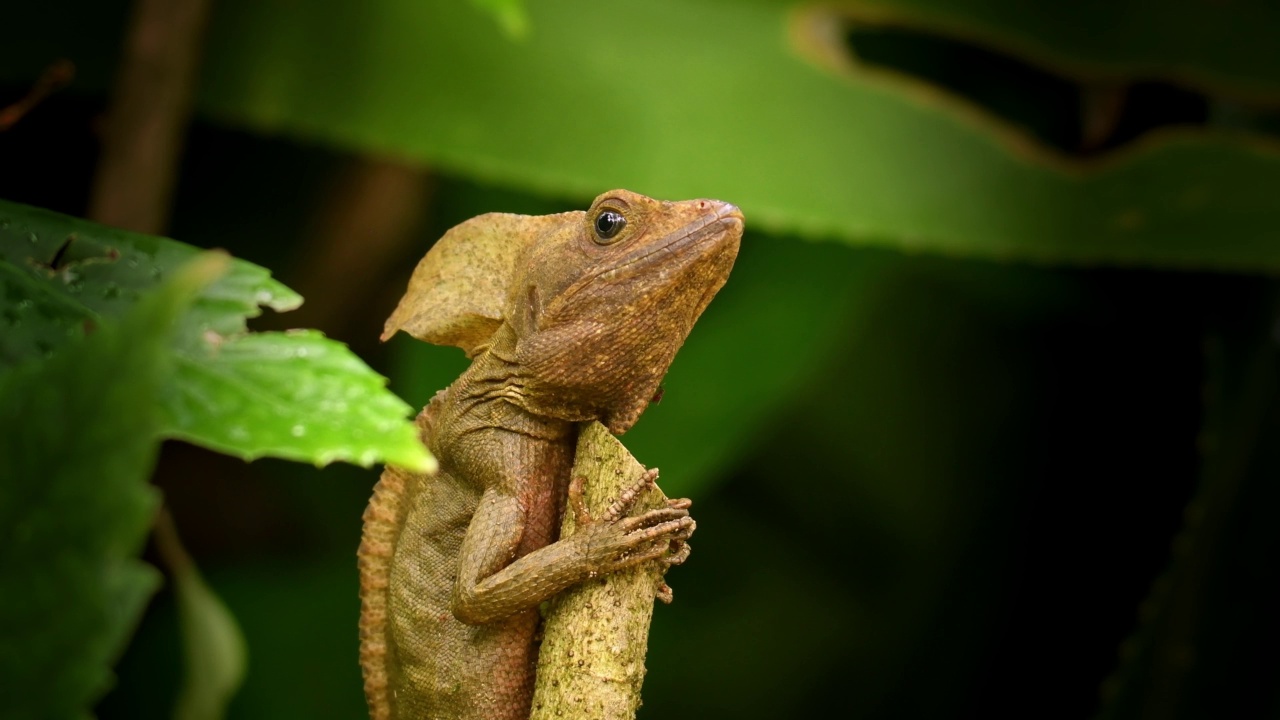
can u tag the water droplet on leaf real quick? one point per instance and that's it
(298, 431)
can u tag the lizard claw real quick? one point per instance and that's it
(664, 593)
(654, 518)
(628, 499)
(679, 551)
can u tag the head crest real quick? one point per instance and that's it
(458, 292)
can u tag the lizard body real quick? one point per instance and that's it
(569, 318)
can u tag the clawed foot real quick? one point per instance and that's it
(658, 534)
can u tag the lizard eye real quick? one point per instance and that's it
(608, 224)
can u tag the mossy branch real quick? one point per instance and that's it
(591, 664)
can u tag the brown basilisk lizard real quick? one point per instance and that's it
(568, 318)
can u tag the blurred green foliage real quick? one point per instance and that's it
(1004, 447)
(214, 656)
(76, 506)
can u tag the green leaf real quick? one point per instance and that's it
(214, 650)
(79, 443)
(726, 102)
(61, 275)
(240, 393)
(740, 99)
(295, 395)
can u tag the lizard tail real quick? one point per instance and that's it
(382, 521)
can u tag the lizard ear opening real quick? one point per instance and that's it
(458, 292)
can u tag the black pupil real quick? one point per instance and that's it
(609, 223)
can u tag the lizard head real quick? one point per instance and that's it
(603, 303)
(587, 308)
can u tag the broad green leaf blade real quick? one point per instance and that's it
(1195, 43)
(236, 392)
(687, 98)
(80, 440)
(721, 103)
(296, 395)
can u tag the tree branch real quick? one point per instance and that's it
(591, 664)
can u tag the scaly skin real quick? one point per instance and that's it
(454, 565)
